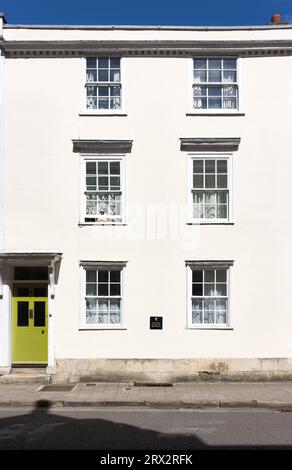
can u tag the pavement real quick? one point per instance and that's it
(272, 395)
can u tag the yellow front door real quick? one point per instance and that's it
(30, 324)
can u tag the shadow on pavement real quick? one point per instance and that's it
(40, 430)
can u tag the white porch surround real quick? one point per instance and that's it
(7, 263)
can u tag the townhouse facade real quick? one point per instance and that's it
(145, 229)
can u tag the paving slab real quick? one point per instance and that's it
(196, 395)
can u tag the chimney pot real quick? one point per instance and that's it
(276, 19)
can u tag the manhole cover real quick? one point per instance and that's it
(57, 388)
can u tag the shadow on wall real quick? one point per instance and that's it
(40, 430)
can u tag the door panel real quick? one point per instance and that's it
(30, 324)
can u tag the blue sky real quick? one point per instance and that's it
(145, 12)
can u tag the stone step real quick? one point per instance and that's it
(28, 371)
(25, 379)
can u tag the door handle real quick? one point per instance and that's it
(31, 313)
(43, 332)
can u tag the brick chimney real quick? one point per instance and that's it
(276, 19)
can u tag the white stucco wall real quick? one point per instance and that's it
(43, 100)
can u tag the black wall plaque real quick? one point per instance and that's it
(155, 323)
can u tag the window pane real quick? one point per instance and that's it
(200, 91)
(103, 76)
(214, 103)
(22, 314)
(197, 289)
(102, 168)
(215, 63)
(103, 103)
(210, 181)
(222, 197)
(103, 62)
(115, 90)
(209, 304)
(115, 62)
(115, 311)
(91, 75)
(222, 211)
(91, 91)
(214, 91)
(221, 275)
(229, 76)
(221, 317)
(198, 211)
(198, 166)
(209, 289)
(197, 276)
(91, 103)
(198, 197)
(115, 76)
(90, 168)
(103, 289)
(209, 317)
(221, 181)
(200, 103)
(221, 304)
(197, 306)
(210, 166)
(115, 182)
(221, 166)
(39, 313)
(221, 289)
(115, 103)
(103, 91)
(200, 63)
(198, 181)
(91, 183)
(210, 197)
(91, 289)
(200, 76)
(115, 289)
(229, 91)
(210, 211)
(103, 183)
(114, 168)
(229, 64)
(215, 76)
(209, 276)
(91, 62)
(229, 103)
(91, 204)
(103, 276)
(115, 276)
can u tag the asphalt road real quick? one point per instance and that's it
(135, 429)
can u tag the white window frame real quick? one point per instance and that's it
(211, 156)
(208, 326)
(99, 326)
(216, 111)
(102, 157)
(102, 112)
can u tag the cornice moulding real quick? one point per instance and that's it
(153, 47)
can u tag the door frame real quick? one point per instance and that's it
(7, 279)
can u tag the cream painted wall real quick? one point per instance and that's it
(43, 101)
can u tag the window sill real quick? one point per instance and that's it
(209, 113)
(103, 328)
(209, 328)
(85, 224)
(204, 222)
(87, 113)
